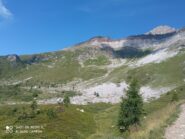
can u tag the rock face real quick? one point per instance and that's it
(100, 39)
(14, 61)
(160, 38)
(13, 58)
(162, 30)
(154, 39)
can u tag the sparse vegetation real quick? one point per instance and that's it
(175, 97)
(16, 93)
(66, 100)
(154, 74)
(34, 107)
(51, 113)
(98, 121)
(31, 73)
(100, 60)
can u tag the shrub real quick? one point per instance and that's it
(51, 114)
(66, 100)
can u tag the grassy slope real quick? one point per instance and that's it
(159, 113)
(100, 60)
(62, 73)
(66, 68)
(59, 67)
(166, 73)
(8, 69)
(98, 121)
(15, 93)
(70, 124)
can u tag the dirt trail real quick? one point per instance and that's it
(177, 130)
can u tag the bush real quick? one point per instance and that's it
(23, 115)
(175, 97)
(51, 114)
(66, 100)
(96, 94)
(34, 105)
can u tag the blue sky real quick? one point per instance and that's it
(34, 26)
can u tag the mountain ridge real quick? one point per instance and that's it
(96, 40)
(101, 63)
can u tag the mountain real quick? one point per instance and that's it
(102, 65)
(10, 64)
(13, 58)
(160, 30)
(154, 39)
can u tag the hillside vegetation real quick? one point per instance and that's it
(97, 121)
(97, 70)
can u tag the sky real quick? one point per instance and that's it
(36, 26)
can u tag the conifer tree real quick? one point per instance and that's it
(66, 100)
(175, 97)
(131, 108)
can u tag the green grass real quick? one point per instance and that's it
(18, 94)
(71, 123)
(65, 69)
(169, 72)
(8, 68)
(99, 61)
(15, 93)
(159, 113)
(50, 68)
(58, 94)
(160, 130)
(98, 121)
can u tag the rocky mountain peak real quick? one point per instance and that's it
(13, 58)
(100, 39)
(160, 30)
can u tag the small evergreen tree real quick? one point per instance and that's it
(51, 114)
(96, 94)
(34, 105)
(34, 108)
(131, 108)
(23, 115)
(66, 100)
(175, 97)
(35, 94)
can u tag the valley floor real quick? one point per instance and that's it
(92, 121)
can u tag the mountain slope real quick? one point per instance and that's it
(103, 65)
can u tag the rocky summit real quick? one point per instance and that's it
(164, 29)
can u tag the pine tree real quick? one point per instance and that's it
(66, 100)
(175, 97)
(131, 108)
(34, 105)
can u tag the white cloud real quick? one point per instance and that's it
(4, 12)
